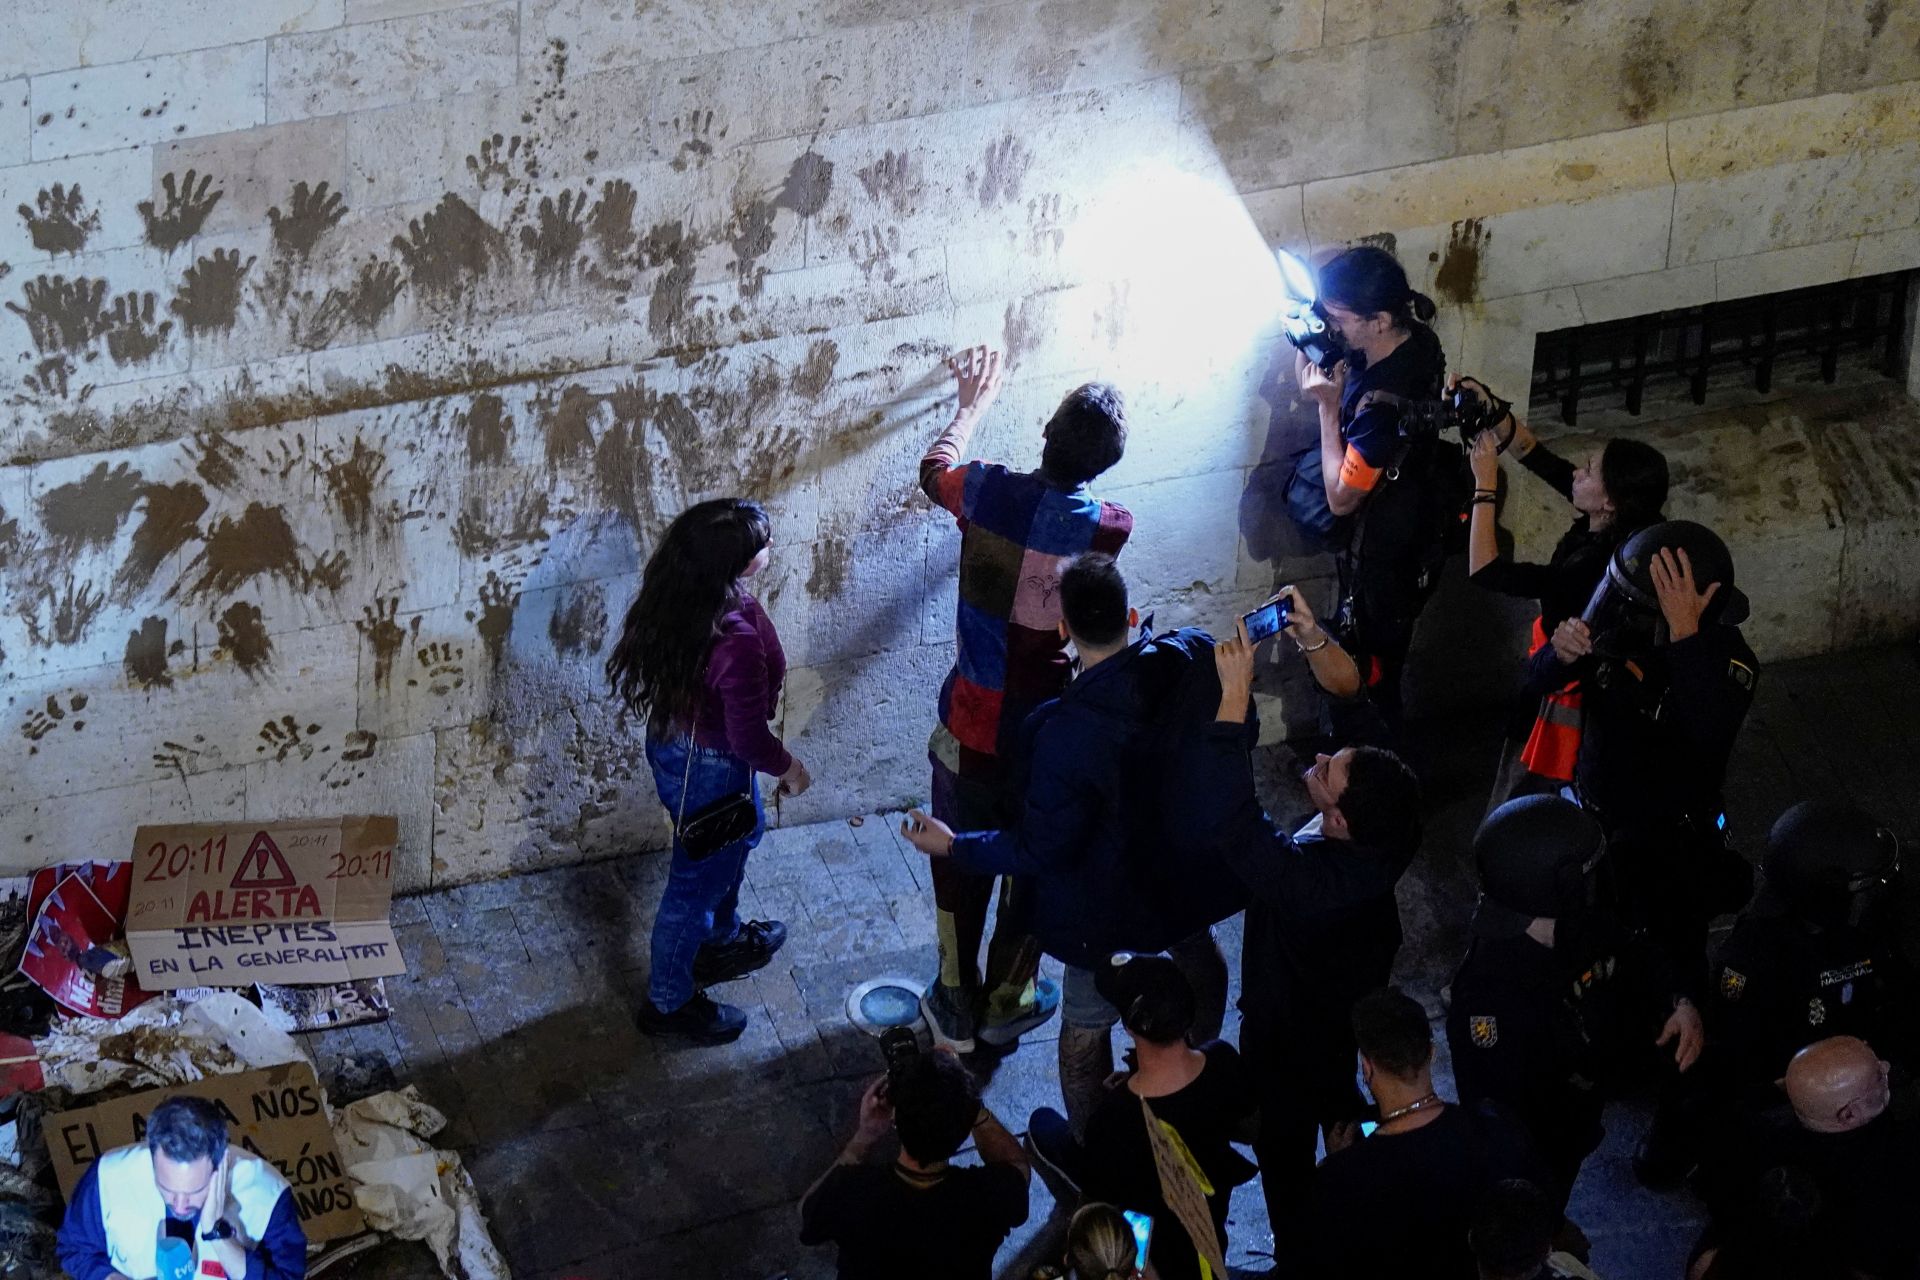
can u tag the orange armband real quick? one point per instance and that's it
(1357, 473)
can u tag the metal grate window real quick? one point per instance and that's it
(1855, 324)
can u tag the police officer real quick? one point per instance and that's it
(1668, 679)
(1814, 955)
(1555, 1004)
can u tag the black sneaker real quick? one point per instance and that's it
(702, 1020)
(949, 1015)
(748, 950)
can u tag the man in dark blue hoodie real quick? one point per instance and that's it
(1097, 835)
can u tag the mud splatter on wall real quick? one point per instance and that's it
(359, 429)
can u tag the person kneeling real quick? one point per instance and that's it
(1180, 1102)
(888, 1221)
(185, 1196)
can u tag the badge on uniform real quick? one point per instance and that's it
(1484, 1030)
(1741, 674)
(1816, 1011)
(1732, 983)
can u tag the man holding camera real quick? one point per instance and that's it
(890, 1220)
(1323, 926)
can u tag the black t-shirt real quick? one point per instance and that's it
(1401, 1204)
(887, 1228)
(1120, 1168)
(1399, 515)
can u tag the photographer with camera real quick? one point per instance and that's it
(920, 1216)
(1323, 926)
(1392, 486)
(1619, 491)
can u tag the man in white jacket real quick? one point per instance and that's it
(232, 1210)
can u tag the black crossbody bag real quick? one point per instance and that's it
(716, 824)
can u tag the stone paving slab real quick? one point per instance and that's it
(602, 1153)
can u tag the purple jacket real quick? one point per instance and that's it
(744, 673)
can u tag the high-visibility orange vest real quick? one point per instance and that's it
(1554, 744)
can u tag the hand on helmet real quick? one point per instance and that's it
(1680, 603)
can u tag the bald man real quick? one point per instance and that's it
(1855, 1139)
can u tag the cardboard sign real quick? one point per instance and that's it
(232, 904)
(66, 957)
(277, 1113)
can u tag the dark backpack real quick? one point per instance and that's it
(1190, 884)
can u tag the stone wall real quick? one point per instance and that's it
(363, 346)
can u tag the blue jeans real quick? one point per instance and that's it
(702, 899)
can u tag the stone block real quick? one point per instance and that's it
(865, 722)
(1648, 294)
(1889, 251)
(1441, 192)
(16, 134)
(1811, 128)
(378, 64)
(38, 832)
(1642, 61)
(253, 171)
(1862, 443)
(364, 774)
(1528, 250)
(104, 214)
(152, 100)
(88, 729)
(1048, 46)
(1811, 201)
(1868, 42)
(1783, 269)
(1186, 535)
(1368, 105)
(50, 35)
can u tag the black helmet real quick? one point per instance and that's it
(1829, 862)
(1537, 856)
(1625, 605)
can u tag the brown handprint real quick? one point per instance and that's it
(444, 672)
(556, 241)
(612, 219)
(309, 214)
(183, 214)
(494, 622)
(59, 220)
(61, 314)
(493, 161)
(209, 297)
(375, 287)
(132, 337)
(379, 623)
(285, 737)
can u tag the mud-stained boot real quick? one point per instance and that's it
(1086, 1060)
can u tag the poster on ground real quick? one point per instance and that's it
(231, 904)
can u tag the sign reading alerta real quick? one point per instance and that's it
(232, 904)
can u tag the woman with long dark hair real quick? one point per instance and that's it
(1619, 490)
(1385, 513)
(699, 659)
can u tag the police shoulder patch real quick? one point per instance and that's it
(1741, 674)
(1732, 983)
(1484, 1030)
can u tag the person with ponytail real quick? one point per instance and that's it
(698, 658)
(1385, 491)
(1619, 491)
(1100, 1245)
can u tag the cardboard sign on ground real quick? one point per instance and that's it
(232, 904)
(276, 1113)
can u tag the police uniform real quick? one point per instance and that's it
(1549, 1033)
(1779, 984)
(1656, 736)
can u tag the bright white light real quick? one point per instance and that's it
(1201, 288)
(1299, 281)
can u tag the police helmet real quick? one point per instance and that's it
(1537, 856)
(1829, 862)
(1625, 599)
